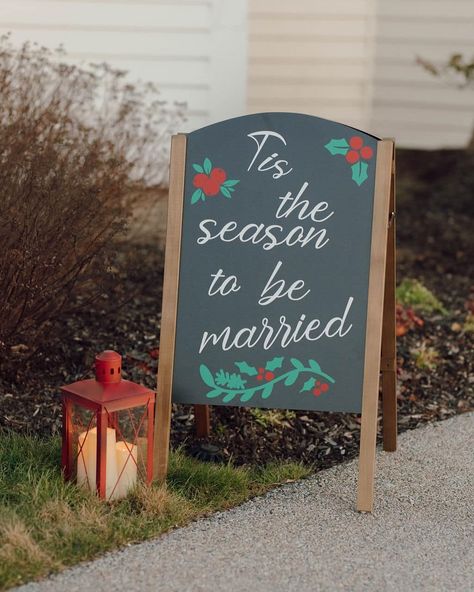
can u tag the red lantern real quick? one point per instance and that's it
(108, 430)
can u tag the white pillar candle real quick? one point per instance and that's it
(87, 460)
(127, 456)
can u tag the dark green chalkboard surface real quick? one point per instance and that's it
(274, 267)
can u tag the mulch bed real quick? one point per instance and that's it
(435, 245)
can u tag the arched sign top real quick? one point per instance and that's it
(271, 118)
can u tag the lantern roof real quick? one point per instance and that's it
(108, 384)
(100, 392)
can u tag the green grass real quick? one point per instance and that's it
(413, 293)
(47, 524)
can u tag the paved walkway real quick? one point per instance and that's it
(307, 537)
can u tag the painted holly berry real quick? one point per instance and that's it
(265, 374)
(352, 156)
(210, 181)
(355, 154)
(320, 388)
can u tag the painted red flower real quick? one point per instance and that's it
(210, 181)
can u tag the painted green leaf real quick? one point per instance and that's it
(230, 182)
(206, 375)
(359, 172)
(267, 391)
(308, 385)
(297, 364)
(198, 168)
(236, 382)
(228, 398)
(222, 378)
(247, 395)
(291, 378)
(337, 146)
(274, 364)
(214, 393)
(246, 369)
(314, 366)
(207, 166)
(225, 191)
(196, 196)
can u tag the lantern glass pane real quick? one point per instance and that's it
(84, 446)
(131, 429)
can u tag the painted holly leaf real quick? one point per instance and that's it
(225, 191)
(198, 168)
(308, 385)
(197, 195)
(230, 183)
(337, 146)
(274, 364)
(207, 166)
(267, 391)
(291, 378)
(359, 172)
(244, 368)
(206, 375)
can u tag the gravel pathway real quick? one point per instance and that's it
(306, 536)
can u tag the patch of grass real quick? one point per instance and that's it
(413, 293)
(271, 417)
(47, 524)
(469, 323)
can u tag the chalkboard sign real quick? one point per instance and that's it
(275, 264)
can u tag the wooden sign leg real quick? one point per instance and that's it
(169, 308)
(389, 351)
(373, 338)
(202, 420)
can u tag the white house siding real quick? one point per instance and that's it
(312, 56)
(348, 60)
(194, 50)
(409, 104)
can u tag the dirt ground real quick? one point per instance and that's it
(435, 245)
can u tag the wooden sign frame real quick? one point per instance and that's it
(380, 344)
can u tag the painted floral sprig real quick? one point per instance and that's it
(210, 181)
(356, 154)
(230, 385)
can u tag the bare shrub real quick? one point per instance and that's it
(76, 147)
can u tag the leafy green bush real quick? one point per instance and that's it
(413, 293)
